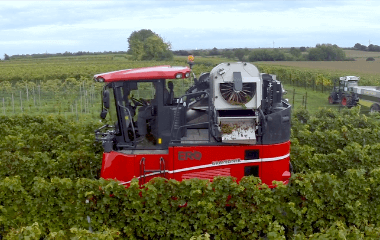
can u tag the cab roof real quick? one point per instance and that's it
(146, 73)
(349, 78)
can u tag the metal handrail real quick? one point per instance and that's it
(143, 172)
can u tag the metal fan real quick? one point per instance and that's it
(233, 94)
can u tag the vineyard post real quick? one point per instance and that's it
(306, 100)
(3, 106)
(322, 85)
(84, 98)
(39, 94)
(27, 93)
(13, 104)
(34, 97)
(303, 100)
(80, 94)
(92, 97)
(86, 103)
(76, 110)
(21, 102)
(294, 93)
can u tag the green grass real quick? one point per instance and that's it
(361, 55)
(314, 99)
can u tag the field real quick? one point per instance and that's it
(361, 68)
(366, 70)
(361, 55)
(49, 163)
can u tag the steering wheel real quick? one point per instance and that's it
(138, 102)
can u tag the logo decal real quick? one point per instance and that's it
(189, 155)
(227, 161)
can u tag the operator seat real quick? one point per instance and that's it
(171, 93)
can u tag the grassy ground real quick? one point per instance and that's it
(300, 97)
(361, 55)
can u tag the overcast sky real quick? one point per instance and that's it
(28, 27)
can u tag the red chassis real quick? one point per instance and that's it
(269, 162)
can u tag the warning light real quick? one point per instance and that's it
(159, 140)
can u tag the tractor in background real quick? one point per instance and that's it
(343, 92)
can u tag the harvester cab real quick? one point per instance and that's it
(231, 122)
(343, 91)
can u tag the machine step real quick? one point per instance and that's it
(143, 171)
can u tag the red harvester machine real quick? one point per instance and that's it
(231, 122)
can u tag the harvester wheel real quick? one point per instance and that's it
(374, 108)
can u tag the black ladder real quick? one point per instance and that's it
(143, 171)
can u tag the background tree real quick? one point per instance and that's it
(6, 57)
(266, 55)
(303, 49)
(140, 36)
(214, 52)
(197, 52)
(156, 49)
(228, 53)
(147, 45)
(239, 53)
(181, 53)
(373, 48)
(326, 52)
(358, 46)
(295, 52)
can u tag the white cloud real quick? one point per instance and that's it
(186, 24)
(40, 42)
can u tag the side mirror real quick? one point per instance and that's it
(103, 114)
(106, 99)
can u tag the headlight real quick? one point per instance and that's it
(100, 79)
(187, 75)
(178, 75)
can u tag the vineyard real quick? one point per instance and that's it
(49, 168)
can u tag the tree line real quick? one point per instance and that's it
(321, 52)
(67, 53)
(370, 48)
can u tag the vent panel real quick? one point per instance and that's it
(233, 96)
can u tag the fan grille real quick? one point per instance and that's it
(237, 97)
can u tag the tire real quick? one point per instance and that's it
(344, 101)
(331, 100)
(374, 108)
